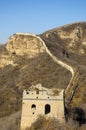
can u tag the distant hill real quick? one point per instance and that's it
(24, 62)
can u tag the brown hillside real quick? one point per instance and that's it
(24, 62)
(69, 44)
(23, 66)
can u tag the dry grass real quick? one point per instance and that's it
(14, 79)
(43, 123)
(28, 72)
(11, 122)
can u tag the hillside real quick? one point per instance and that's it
(69, 44)
(22, 66)
(25, 62)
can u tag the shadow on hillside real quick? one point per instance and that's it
(77, 114)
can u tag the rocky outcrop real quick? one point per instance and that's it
(70, 37)
(20, 44)
(24, 44)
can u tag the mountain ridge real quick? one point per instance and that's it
(19, 69)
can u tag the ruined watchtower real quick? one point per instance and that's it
(41, 101)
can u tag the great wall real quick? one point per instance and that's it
(68, 93)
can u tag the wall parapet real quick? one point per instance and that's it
(42, 95)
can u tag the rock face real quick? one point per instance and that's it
(70, 37)
(24, 44)
(21, 44)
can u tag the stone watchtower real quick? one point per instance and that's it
(41, 101)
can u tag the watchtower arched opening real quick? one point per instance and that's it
(47, 108)
(33, 106)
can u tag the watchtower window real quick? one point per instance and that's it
(33, 106)
(37, 91)
(47, 108)
(14, 53)
(27, 92)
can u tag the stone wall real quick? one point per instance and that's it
(37, 103)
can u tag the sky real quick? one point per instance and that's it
(38, 16)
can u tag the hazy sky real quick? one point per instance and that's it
(37, 16)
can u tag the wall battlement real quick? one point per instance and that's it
(41, 94)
